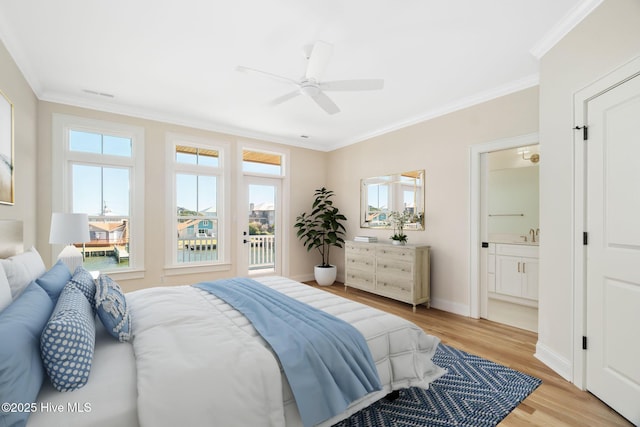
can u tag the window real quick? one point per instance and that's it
(98, 169)
(197, 206)
(261, 162)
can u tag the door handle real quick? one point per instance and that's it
(523, 264)
(518, 267)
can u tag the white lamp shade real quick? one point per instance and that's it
(68, 228)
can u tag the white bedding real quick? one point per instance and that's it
(198, 361)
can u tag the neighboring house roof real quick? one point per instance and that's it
(107, 226)
(264, 206)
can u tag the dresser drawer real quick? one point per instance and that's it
(360, 279)
(360, 249)
(394, 267)
(360, 262)
(397, 252)
(390, 285)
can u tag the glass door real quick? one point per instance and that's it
(261, 240)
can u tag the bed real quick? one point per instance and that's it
(195, 360)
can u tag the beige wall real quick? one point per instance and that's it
(606, 39)
(307, 173)
(24, 101)
(441, 147)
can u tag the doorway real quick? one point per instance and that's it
(478, 255)
(510, 233)
(261, 226)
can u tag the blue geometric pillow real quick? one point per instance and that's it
(112, 309)
(68, 340)
(83, 281)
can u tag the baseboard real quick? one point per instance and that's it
(451, 307)
(557, 363)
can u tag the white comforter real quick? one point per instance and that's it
(199, 359)
(194, 364)
(199, 362)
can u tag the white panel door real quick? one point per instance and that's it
(613, 252)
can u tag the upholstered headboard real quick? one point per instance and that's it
(10, 238)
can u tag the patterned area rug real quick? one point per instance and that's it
(474, 392)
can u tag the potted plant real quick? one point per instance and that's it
(398, 221)
(322, 229)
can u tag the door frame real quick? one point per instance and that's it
(615, 78)
(239, 216)
(475, 198)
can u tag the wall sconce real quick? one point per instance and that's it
(66, 229)
(534, 158)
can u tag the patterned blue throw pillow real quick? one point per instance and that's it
(68, 339)
(84, 281)
(112, 308)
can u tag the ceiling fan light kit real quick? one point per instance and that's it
(311, 85)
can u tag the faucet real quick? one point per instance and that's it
(532, 232)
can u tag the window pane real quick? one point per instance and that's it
(183, 156)
(197, 240)
(87, 189)
(115, 188)
(197, 156)
(117, 146)
(207, 195)
(187, 194)
(85, 141)
(259, 162)
(108, 248)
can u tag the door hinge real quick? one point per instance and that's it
(585, 238)
(585, 131)
(584, 343)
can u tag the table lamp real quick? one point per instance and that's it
(66, 229)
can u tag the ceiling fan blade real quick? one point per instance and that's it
(353, 85)
(285, 97)
(318, 60)
(326, 103)
(243, 69)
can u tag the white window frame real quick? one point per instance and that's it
(222, 173)
(61, 192)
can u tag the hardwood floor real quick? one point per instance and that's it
(555, 403)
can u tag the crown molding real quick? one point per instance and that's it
(479, 98)
(563, 27)
(140, 113)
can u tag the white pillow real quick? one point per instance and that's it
(5, 290)
(22, 269)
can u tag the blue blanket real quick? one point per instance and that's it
(326, 360)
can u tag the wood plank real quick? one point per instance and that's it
(556, 402)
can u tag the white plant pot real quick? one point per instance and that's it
(325, 276)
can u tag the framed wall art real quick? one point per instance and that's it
(6, 151)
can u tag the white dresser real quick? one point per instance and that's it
(398, 272)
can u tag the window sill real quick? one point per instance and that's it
(124, 274)
(177, 270)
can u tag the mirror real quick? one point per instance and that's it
(401, 192)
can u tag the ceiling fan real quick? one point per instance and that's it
(311, 85)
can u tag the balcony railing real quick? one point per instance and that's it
(263, 252)
(197, 249)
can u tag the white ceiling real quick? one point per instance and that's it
(175, 61)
